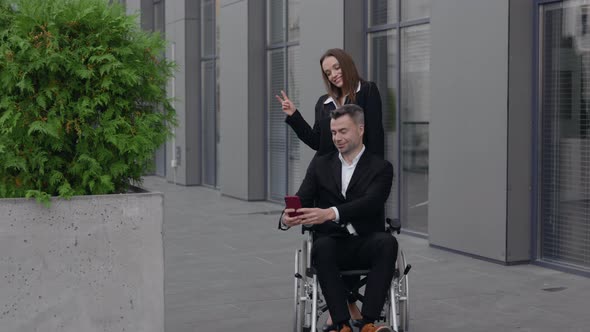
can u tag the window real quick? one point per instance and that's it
(384, 71)
(284, 170)
(210, 93)
(564, 183)
(398, 34)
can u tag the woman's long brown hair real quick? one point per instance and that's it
(350, 76)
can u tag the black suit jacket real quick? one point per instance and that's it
(319, 137)
(364, 205)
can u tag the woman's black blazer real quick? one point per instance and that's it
(319, 137)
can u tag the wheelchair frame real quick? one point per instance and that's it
(310, 306)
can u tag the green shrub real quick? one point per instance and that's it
(83, 105)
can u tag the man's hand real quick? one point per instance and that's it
(286, 104)
(315, 216)
(291, 221)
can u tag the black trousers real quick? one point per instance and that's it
(376, 252)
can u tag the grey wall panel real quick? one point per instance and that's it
(233, 92)
(224, 3)
(354, 33)
(145, 11)
(519, 131)
(192, 9)
(175, 10)
(468, 129)
(183, 35)
(132, 6)
(317, 36)
(175, 52)
(147, 15)
(256, 100)
(192, 150)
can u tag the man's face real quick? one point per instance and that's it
(346, 134)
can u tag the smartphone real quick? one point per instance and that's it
(293, 202)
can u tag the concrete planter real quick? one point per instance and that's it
(92, 263)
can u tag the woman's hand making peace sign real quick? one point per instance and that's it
(286, 103)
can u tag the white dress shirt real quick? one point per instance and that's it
(346, 173)
(331, 100)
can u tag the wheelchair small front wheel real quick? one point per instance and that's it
(403, 295)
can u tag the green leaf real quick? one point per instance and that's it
(41, 197)
(41, 101)
(17, 164)
(65, 190)
(45, 128)
(84, 73)
(25, 85)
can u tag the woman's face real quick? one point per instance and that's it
(332, 70)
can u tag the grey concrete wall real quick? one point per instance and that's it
(317, 36)
(147, 14)
(145, 11)
(468, 129)
(183, 33)
(256, 101)
(233, 97)
(354, 33)
(519, 131)
(92, 264)
(242, 118)
(133, 6)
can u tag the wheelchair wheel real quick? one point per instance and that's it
(395, 310)
(299, 289)
(305, 288)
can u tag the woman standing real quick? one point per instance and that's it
(344, 86)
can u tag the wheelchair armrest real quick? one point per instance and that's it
(305, 228)
(393, 225)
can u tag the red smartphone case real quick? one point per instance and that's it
(293, 202)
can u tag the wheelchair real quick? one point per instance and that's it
(311, 310)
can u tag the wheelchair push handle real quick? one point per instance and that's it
(393, 225)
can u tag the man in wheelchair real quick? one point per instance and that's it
(343, 196)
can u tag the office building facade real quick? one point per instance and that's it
(485, 110)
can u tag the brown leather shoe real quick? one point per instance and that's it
(345, 329)
(372, 328)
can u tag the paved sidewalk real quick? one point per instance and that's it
(227, 268)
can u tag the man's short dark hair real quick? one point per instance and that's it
(354, 111)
